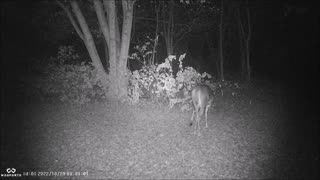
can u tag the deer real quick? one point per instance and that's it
(202, 97)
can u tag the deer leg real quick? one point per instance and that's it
(199, 123)
(206, 116)
(192, 115)
(196, 123)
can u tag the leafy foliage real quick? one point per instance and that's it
(143, 53)
(160, 83)
(77, 84)
(66, 55)
(70, 80)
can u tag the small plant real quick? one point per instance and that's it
(143, 52)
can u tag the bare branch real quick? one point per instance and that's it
(102, 20)
(151, 19)
(73, 22)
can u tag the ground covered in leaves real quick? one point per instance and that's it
(252, 134)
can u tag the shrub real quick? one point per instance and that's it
(78, 83)
(67, 55)
(159, 83)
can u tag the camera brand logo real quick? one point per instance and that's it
(11, 172)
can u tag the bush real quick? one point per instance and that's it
(67, 55)
(159, 83)
(78, 83)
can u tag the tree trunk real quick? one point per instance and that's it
(241, 44)
(221, 44)
(248, 60)
(157, 9)
(244, 38)
(248, 43)
(113, 72)
(125, 42)
(89, 43)
(168, 27)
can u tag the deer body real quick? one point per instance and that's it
(202, 98)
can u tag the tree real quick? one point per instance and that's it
(168, 27)
(117, 42)
(221, 72)
(244, 38)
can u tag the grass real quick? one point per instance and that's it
(252, 134)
